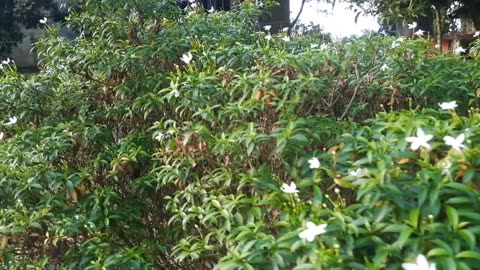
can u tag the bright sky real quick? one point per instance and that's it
(340, 21)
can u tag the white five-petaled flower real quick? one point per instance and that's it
(448, 105)
(292, 188)
(412, 25)
(268, 37)
(175, 93)
(43, 21)
(477, 33)
(421, 140)
(186, 58)
(313, 45)
(312, 231)
(446, 165)
(360, 172)
(455, 143)
(460, 50)
(384, 68)
(421, 263)
(419, 32)
(267, 27)
(314, 163)
(286, 38)
(11, 121)
(211, 10)
(6, 62)
(324, 46)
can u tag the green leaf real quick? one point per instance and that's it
(469, 255)
(469, 237)
(438, 252)
(452, 216)
(414, 216)
(304, 266)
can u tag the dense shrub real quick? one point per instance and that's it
(125, 156)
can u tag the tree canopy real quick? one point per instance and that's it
(27, 13)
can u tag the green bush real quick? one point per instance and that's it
(162, 139)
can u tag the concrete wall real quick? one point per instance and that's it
(21, 54)
(280, 16)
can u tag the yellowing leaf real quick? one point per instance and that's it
(82, 189)
(403, 161)
(4, 242)
(343, 183)
(257, 95)
(73, 195)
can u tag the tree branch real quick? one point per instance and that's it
(292, 24)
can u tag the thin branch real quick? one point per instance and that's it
(359, 83)
(292, 24)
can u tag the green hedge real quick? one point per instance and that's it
(126, 157)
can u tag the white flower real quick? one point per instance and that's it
(312, 231)
(43, 21)
(314, 163)
(285, 29)
(286, 38)
(360, 172)
(267, 27)
(459, 50)
(186, 58)
(2, 135)
(11, 121)
(313, 45)
(77, 217)
(211, 10)
(268, 37)
(477, 33)
(6, 62)
(419, 32)
(437, 46)
(292, 188)
(323, 47)
(160, 136)
(455, 143)
(421, 263)
(448, 105)
(394, 45)
(420, 140)
(412, 25)
(337, 190)
(175, 93)
(384, 67)
(446, 165)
